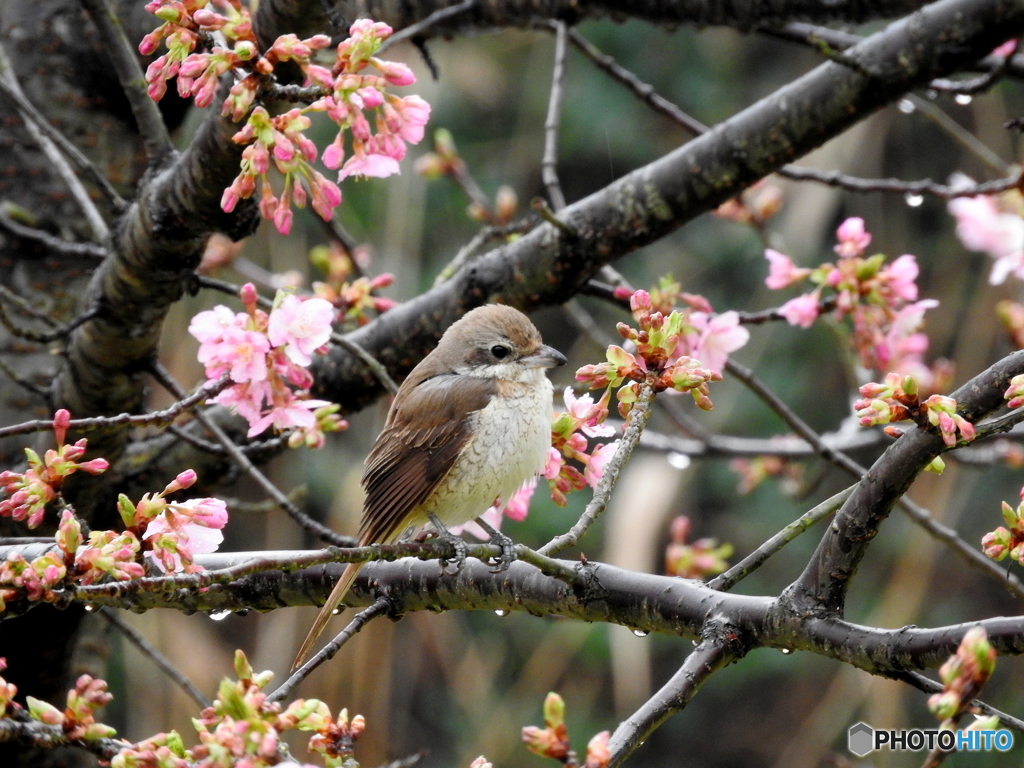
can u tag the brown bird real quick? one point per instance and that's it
(468, 426)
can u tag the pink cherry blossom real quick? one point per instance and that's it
(802, 311)
(599, 458)
(174, 543)
(982, 227)
(240, 352)
(379, 166)
(288, 412)
(900, 276)
(852, 237)
(782, 272)
(209, 326)
(553, 466)
(519, 505)
(718, 337)
(246, 399)
(588, 414)
(1006, 49)
(210, 513)
(300, 327)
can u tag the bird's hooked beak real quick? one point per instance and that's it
(544, 357)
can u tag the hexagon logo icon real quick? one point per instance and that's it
(860, 739)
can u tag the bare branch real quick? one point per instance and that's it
(154, 134)
(156, 418)
(84, 250)
(327, 653)
(637, 421)
(759, 556)
(35, 126)
(549, 163)
(148, 649)
(706, 659)
(421, 26)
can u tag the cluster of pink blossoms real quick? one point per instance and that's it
(1007, 541)
(660, 360)
(170, 533)
(697, 560)
(243, 728)
(30, 491)
(964, 674)
(263, 354)
(993, 226)
(703, 335)
(880, 299)
(353, 299)
(897, 399)
(349, 95)
(77, 720)
(553, 739)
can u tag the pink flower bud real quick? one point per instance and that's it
(61, 422)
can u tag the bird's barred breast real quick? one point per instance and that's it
(511, 438)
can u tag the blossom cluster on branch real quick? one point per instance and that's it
(169, 533)
(346, 92)
(553, 739)
(880, 298)
(666, 345)
(264, 353)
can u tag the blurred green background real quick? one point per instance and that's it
(463, 684)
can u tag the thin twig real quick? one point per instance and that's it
(917, 513)
(977, 84)
(84, 250)
(637, 421)
(464, 254)
(368, 360)
(540, 205)
(12, 91)
(30, 386)
(231, 289)
(238, 456)
(964, 137)
(326, 653)
(414, 29)
(36, 127)
(646, 93)
(271, 445)
(155, 418)
(706, 659)
(158, 658)
(40, 337)
(643, 90)
(726, 581)
(921, 187)
(152, 129)
(549, 163)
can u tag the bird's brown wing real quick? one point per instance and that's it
(427, 429)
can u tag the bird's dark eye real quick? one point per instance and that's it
(499, 351)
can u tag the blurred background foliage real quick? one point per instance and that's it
(463, 684)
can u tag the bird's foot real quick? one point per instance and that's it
(456, 545)
(499, 539)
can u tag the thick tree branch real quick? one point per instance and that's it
(822, 586)
(547, 266)
(513, 13)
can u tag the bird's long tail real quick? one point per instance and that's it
(337, 595)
